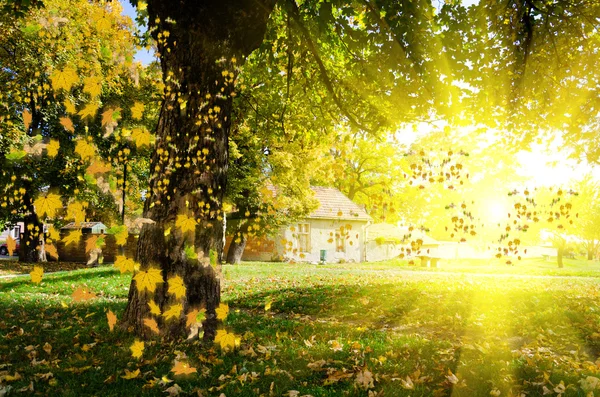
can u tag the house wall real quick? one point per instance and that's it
(322, 237)
(381, 252)
(14, 232)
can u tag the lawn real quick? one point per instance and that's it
(331, 330)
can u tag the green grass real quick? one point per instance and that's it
(451, 334)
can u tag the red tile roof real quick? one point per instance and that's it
(335, 205)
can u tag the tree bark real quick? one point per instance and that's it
(201, 45)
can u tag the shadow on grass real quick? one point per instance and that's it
(51, 279)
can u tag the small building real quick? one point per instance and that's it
(86, 227)
(386, 241)
(334, 232)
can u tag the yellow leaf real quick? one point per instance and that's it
(227, 341)
(137, 110)
(67, 123)
(36, 274)
(64, 79)
(72, 237)
(94, 241)
(27, 119)
(141, 137)
(173, 312)
(48, 205)
(110, 115)
(154, 309)
(268, 304)
(182, 368)
(222, 311)
(92, 85)
(147, 280)
(121, 237)
(84, 149)
(185, 223)
(88, 110)
(131, 374)
(76, 211)
(70, 107)
(112, 319)
(177, 287)
(11, 245)
(137, 349)
(51, 250)
(52, 148)
(53, 234)
(82, 294)
(151, 323)
(124, 264)
(194, 317)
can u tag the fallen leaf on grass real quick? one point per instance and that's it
(112, 319)
(222, 311)
(137, 349)
(131, 374)
(181, 368)
(82, 294)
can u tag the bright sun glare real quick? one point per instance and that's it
(496, 211)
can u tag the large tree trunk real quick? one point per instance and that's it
(205, 44)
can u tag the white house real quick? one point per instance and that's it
(334, 232)
(14, 232)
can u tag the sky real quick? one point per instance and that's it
(143, 56)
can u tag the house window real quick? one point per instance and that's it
(340, 243)
(304, 237)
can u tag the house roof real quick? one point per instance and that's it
(333, 204)
(392, 232)
(81, 225)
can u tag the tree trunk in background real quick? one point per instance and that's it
(559, 257)
(31, 248)
(236, 249)
(590, 255)
(201, 45)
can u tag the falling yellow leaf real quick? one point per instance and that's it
(64, 79)
(110, 115)
(147, 280)
(72, 237)
(92, 85)
(76, 211)
(182, 369)
(132, 374)
(70, 107)
(36, 274)
(222, 311)
(53, 234)
(27, 119)
(67, 123)
(173, 312)
(137, 349)
(82, 294)
(124, 264)
(48, 205)
(52, 147)
(177, 287)
(137, 110)
(112, 319)
(121, 237)
(195, 316)
(94, 241)
(185, 223)
(84, 149)
(11, 245)
(51, 250)
(141, 137)
(154, 309)
(88, 110)
(151, 323)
